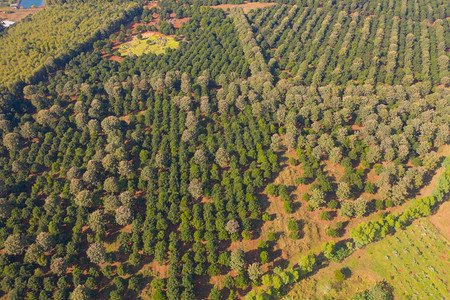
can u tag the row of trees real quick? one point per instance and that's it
(178, 173)
(395, 59)
(158, 160)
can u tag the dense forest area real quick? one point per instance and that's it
(143, 178)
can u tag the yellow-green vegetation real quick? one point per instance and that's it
(414, 261)
(152, 44)
(56, 33)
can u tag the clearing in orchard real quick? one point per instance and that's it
(150, 42)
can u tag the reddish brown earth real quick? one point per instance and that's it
(441, 219)
(18, 14)
(247, 6)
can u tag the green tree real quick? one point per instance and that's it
(237, 260)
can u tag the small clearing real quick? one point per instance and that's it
(247, 6)
(151, 42)
(17, 15)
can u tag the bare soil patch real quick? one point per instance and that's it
(247, 6)
(116, 58)
(441, 219)
(18, 14)
(177, 23)
(151, 5)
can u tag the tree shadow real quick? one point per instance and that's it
(257, 224)
(280, 262)
(296, 206)
(252, 256)
(264, 201)
(347, 272)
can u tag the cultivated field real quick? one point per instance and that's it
(414, 261)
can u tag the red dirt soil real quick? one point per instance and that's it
(116, 58)
(441, 220)
(247, 6)
(18, 14)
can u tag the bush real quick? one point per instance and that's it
(241, 281)
(271, 190)
(369, 188)
(388, 203)
(266, 217)
(287, 206)
(293, 225)
(271, 237)
(332, 232)
(293, 161)
(325, 215)
(379, 204)
(333, 204)
(294, 235)
(262, 245)
(306, 197)
(416, 161)
(264, 256)
(339, 275)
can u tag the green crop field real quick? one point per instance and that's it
(151, 44)
(414, 261)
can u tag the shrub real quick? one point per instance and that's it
(369, 188)
(271, 190)
(379, 204)
(287, 206)
(388, 203)
(262, 245)
(271, 237)
(306, 197)
(293, 161)
(264, 256)
(325, 215)
(333, 204)
(294, 235)
(333, 232)
(293, 225)
(339, 275)
(266, 217)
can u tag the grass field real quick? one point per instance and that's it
(414, 261)
(149, 43)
